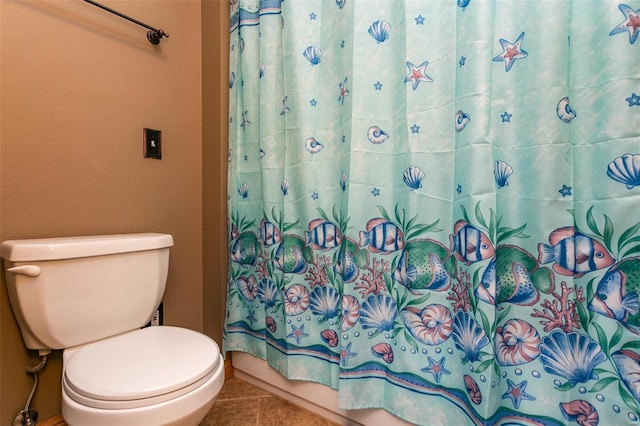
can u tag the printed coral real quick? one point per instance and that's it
(317, 273)
(373, 282)
(562, 313)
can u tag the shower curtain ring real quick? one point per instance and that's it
(155, 36)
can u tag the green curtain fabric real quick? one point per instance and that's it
(433, 205)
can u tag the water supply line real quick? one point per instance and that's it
(29, 416)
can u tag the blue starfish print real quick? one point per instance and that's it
(417, 74)
(251, 318)
(462, 61)
(312, 16)
(342, 44)
(436, 368)
(419, 20)
(246, 157)
(506, 117)
(459, 189)
(375, 192)
(315, 195)
(565, 191)
(344, 92)
(516, 393)
(634, 100)
(377, 85)
(631, 23)
(511, 52)
(313, 102)
(344, 138)
(415, 129)
(297, 333)
(245, 120)
(345, 354)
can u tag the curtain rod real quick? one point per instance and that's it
(153, 36)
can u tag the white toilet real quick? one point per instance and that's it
(90, 296)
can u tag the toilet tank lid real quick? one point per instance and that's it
(73, 247)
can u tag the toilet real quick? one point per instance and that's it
(92, 296)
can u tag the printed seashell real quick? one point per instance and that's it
(626, 170)
(462, 119)
(271, 324)
(431, 325)
(261, 70)
(627, 363)
(296, 299)
(313, 146)
(325, 302)
(564, 110)
(473, 389)
(516, 343)
(581, 412)
(262, 153)
(379, 30)
(268, 292)
(343, 181)
(330, 337)
(413, 177)
(384, 351)
(572, 356)
(463, 3)
(284, 187)
(501, 172)
(241, 45)
(232, 79)
(229, 155)
(248, 287)
(285, 108)
(378, 311)
(243, 190)
(313, 54)
(468, 336)
(341, 3)
(376, 135)
(350, 312)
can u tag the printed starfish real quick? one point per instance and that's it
(297, 333)
(516, 393)
(345, 354)
(417, 74)
(511, 52)
(436, 368)
(631, 23)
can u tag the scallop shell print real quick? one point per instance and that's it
(626, 170)
(312, 145)
(564, 110)
(379, 30)
(572, 356)
(343, 181)
(468, 336)
(284, 187)
(413, 177)
(296, 299)
(431, 325)
(501, 172)
(312, 54)
(378, 311)
(462, 119)
(243, 190)
(376, 135)
(268, 292)
(325, 302)
(516, 343)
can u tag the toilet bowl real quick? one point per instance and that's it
(90, 296)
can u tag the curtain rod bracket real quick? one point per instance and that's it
(154, 35)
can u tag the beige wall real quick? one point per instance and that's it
(78, 85)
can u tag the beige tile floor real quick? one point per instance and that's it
(243, 404)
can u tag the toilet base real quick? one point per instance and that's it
(186, 410)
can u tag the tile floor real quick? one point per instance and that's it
(243, 404)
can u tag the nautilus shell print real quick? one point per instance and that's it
(462, 119)
(581, 412)
(376, 135)
(564, 110)
(473, 389)
(313, 146)
(330, 337)
(384, 351)
(626, 170)
(516, 342)
(431, 325)
(296, 299)
(248, 287)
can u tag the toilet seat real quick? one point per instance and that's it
(140, 368)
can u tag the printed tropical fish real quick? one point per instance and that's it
(514, 276)
(469, 244)
(628, 364)
(323, 235)
(617, 294)
(422, 266)
(349, 260)
(574, 253)
(289, 255)
(233, 231)
(269, 233)
(244, 249)
(382, 236)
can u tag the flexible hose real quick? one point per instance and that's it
(34, 370)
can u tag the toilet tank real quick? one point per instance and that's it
(73, 290)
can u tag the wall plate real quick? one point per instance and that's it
(151, 143)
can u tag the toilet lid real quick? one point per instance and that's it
(141, 364)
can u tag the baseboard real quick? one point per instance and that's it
(53, 421)
(228, 369)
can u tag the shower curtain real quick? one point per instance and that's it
(433, 205)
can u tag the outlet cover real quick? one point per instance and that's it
(151, 143)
